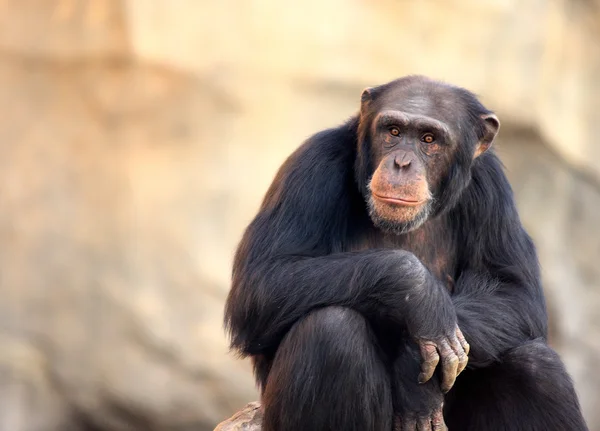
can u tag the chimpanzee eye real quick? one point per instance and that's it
(428, 138)
(394, 131)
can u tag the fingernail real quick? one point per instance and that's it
(422, 378)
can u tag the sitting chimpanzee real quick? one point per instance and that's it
(379, 244)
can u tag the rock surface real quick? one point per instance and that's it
(247, 419)
(137, 139)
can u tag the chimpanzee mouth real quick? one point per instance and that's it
(398, 218)
(398, 201)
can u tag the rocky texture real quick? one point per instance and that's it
(247, 419)
(100, 279)
(137, 139)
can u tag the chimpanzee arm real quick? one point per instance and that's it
(498, 297)
(290, 261)
(497, 315)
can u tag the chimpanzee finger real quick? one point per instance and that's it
(437, 421)
(430, 360)
(460, 353)
(449, 365)
(409, 424)
(424, 424)
(463, 341)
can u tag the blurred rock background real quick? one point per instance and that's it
(137, 138)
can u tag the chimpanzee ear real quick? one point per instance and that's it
(491, 127)
(367, 95)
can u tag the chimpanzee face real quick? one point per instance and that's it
(419, 132)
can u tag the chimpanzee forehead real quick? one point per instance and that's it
(419, 96)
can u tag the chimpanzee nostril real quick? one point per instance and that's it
(402, 161)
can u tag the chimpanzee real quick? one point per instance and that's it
(386, 254)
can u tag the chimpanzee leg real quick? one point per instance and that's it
(529, 390)
(328, 375)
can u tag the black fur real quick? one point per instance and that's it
(327, 305)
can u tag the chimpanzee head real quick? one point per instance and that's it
(417, 142)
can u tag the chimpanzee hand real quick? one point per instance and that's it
(430, 320)
(452, 350)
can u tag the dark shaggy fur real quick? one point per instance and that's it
(325, 302)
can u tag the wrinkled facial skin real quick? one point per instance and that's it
(413, 132)
(411, 152)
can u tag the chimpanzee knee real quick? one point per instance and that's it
(327, 374)
(529, 390)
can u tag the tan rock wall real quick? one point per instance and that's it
(138, 137)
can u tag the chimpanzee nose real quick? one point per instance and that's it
(402, 161)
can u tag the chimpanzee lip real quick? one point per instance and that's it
(397, 201)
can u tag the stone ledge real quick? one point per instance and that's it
(247, 419)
